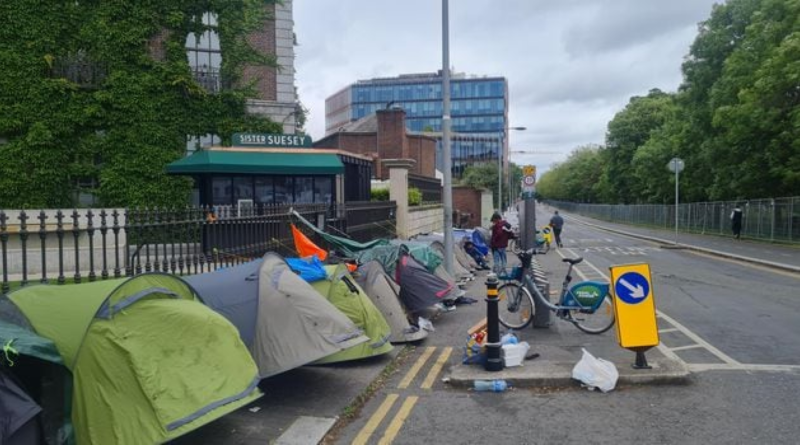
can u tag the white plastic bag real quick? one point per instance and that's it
(426, 324)
(595, 372)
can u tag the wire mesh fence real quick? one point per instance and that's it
(773, 219)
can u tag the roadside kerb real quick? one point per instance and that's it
(541, 373)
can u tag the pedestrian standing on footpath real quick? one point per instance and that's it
(501, 233)
(736, 221)
(557, 222)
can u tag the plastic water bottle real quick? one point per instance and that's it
(491, 385)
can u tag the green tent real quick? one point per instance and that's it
(342, 291)
(149, 362)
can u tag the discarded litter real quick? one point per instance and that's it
(514, 353)
(509, 339)
(490, 385)
(426, 324)
(255, 409)
(595, 372)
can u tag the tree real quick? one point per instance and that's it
(630, 129)
(484, 176)
(576, 178)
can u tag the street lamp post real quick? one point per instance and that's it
(676, 165)
(500, 153)
(447, 199)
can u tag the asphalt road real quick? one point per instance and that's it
(734, 324)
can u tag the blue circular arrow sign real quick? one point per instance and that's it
(632, 288)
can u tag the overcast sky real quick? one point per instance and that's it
(570, 64)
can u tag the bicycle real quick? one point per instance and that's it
(587, 304)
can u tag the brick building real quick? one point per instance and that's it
(471, 207)
(276, 96)
(383, 135)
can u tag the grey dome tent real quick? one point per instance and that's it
(418, 287)
(385, 294)
(283, 321)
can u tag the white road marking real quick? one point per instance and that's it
(683, 348)
(729, 363)
(720, 355)
(700, 367)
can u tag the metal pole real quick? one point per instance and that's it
(493, 360)
(676, 203)
(447, 161)
(500, 175)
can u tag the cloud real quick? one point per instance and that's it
(570, 64)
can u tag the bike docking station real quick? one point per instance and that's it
(634, 310)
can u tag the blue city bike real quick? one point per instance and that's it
(587, 304)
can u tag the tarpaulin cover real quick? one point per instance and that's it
(305, 247)
(309, 269)
(422, 252)
(347, 246)
(479, 242)
(390, 254)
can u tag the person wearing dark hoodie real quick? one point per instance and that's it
(501, 234)
(736, 221)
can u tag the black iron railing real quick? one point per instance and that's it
(431, 188)
(58, 246)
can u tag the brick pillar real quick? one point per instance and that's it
(398, 190)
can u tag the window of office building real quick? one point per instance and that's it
(205, 57)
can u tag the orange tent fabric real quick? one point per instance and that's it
(305, 247)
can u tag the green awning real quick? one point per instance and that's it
(217, 161)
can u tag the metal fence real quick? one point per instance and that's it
(431, 188)
(775, 219)
(87, 245)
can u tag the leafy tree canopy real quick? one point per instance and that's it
(103, 91)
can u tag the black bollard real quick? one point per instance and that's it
(493, 360)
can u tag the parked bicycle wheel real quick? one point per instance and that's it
(515, 308)
(597, 322)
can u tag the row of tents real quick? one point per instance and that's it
(149, 358)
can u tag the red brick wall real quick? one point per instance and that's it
(466, 207)
(423, 149)
(392, 141)
(263, 41)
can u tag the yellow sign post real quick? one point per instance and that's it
(635, 309)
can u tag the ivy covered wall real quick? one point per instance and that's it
(82, 96)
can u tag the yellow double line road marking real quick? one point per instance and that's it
(417, 366)
(408, 404)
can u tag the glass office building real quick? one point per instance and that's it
(478, 106)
